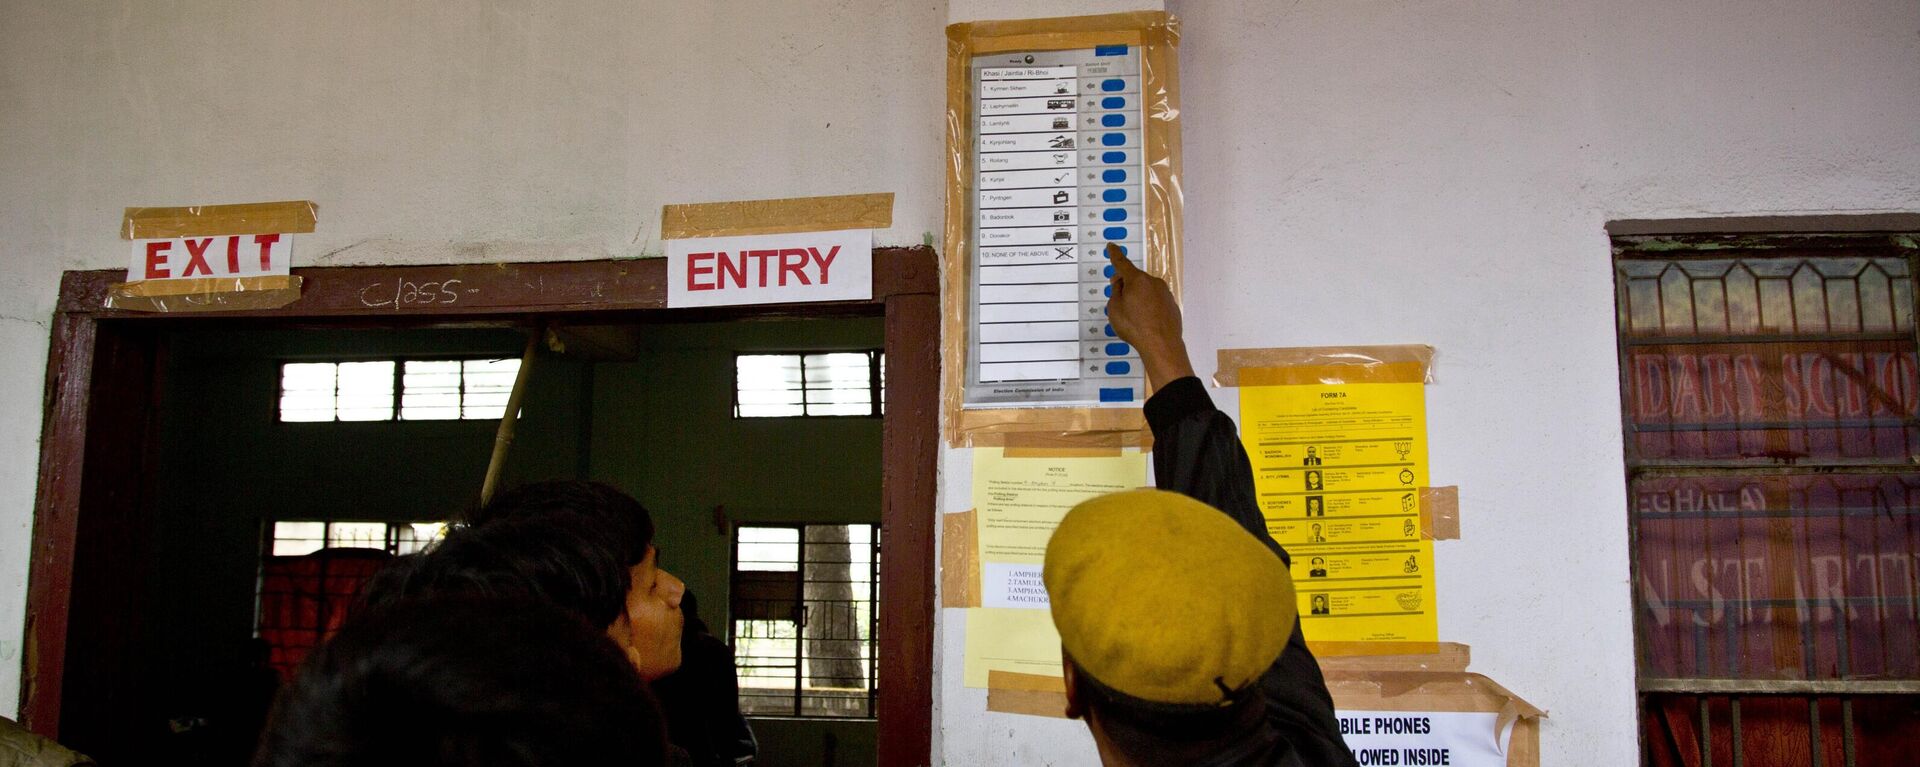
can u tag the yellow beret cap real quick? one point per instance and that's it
(1157, 595)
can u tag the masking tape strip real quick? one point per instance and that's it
(289, 217)
(224, 294)
(1344, 649)
(959, 561)
(1099, 444)
(1426, 690)
(792, 214)
(1014, 680)
(1447, 656)
(1157, 34)
(1028, 702)
(1440, 513)
(1405, 363)
(1035, 427)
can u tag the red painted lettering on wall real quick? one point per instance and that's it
(1793, 383)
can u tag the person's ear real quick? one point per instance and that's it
(1074, 709)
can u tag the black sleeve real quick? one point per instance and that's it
(1196, 451)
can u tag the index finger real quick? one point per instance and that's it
(1118, 257)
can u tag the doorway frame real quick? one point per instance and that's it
(103, 371)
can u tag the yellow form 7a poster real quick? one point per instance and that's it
(1338, 469)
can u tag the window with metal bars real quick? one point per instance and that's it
(805, 618)
(429, 390)
(809, 384)
(1771, 408)
(312, 570)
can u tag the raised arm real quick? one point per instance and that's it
(1196, 449)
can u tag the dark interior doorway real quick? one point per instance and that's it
(120, 485)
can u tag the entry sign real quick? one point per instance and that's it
(227, 255)
(1398, 738)
(770, 268)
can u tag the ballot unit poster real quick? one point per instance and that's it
(1058, 174)
(1338, 469)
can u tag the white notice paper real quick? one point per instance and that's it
(1455, 738)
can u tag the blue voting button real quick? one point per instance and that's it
(1113, 121)
(1114, 214)
(1123, 249)
(1118, 368)
(1114, 84)
(1114, 195)
(1110, 50)
(1109, 331)
(1120, 394)
(1113, 102)
(1118, 350)
(1108, 291)
(1113, 157)
(1114, 233)
(1108, 272)
(1113, 176)
(1113, 139)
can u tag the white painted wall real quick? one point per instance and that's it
(1357, 172)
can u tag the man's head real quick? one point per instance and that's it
(649, 623)
(467, 682)
(556, 560)
(1155, 689)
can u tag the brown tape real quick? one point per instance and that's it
(792, 214)
(1095, 444)
(1157, 35)
(289, 217)
(1446, 656)
(1406, 363)
(959, 560)
(206, 294)
(1062, 427)
(1028, 702)
(1349, 649)
(1440, 513)
(1014, 680)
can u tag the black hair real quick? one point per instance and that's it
(614, 514)
(1150, 732)
(465, 682)
(558, 559)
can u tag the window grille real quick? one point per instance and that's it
(809, 384)
(474, 389)
(1771, 404)
(805, 619)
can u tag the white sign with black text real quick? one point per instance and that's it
(1400, 738)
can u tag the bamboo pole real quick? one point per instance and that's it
(503, 437)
